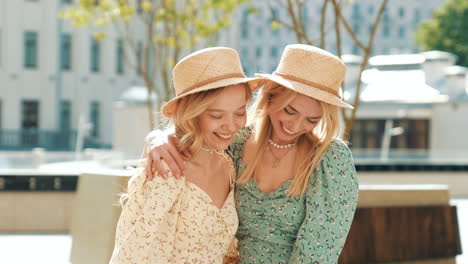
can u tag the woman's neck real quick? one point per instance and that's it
(206, 157)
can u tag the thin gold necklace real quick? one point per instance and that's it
(211, 151)
(278, 159)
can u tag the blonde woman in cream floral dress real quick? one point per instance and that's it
(193, 219)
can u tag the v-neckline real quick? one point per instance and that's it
(210, 199)
(242, 165)
(280, 187)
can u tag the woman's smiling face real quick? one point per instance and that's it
(224, 117)
(300, 116)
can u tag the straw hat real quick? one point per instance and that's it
(312, 72)
(204, 70)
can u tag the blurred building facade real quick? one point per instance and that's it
(51, 74)
(260, 46)
(412, 107)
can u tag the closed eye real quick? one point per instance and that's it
(241, 113)
(288, 111)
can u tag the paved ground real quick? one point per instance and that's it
(55, 249)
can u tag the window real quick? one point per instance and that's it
(245, 24)
(274, 52)
(30, 123)
(356, 28)
(30, 49)
(274, 14)
(305, 16)
(65, 51)
(356, 11)
(30, 114)
(385, 16)
(355, 49)
(258, 52)
(120, 59)
(95, 55)
(417, 16)
(415, 134)
(94, 118)
(371, 10)
(245, 53)
(386, 30)
(401, 32)
(65, 115)
(66, 1)
(401, 12)
(246, 70)
(368, 134)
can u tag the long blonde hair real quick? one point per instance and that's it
(310, 146)
(185, 120)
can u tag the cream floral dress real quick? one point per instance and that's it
(173, 221)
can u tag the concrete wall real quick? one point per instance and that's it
(51, 212)
(449, 132)
(457, 181)
(36, 212)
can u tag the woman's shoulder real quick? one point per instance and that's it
(338, 149)
(237, 145)
(243, 134)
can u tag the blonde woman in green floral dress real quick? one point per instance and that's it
(297, 189)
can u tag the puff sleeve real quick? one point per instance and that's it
(330, 203)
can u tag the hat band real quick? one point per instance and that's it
(214, 79)
(315, 85)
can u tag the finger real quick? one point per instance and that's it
(187, 154)
(171, 163)
(177, 158)
(157, 165)
(149, 169)
(148, 172)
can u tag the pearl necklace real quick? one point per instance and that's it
(280, 146)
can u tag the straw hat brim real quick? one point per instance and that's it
(171, 106)
(306, 90)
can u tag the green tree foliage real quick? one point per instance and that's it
(155, 33)
(447, 30)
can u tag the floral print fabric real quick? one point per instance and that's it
(173, 221)
(311, 228)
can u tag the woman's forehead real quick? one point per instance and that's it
(306, 105)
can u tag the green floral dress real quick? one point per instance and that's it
(310, 228)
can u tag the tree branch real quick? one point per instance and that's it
(347, 26)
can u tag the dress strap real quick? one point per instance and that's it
(230, 163)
